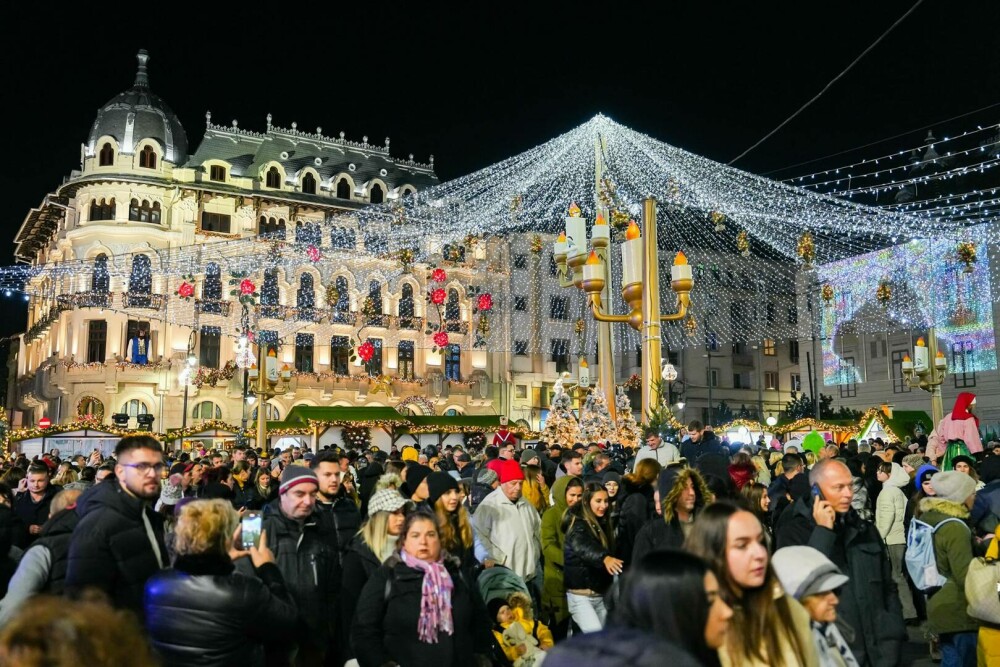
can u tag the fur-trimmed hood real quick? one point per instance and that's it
(946, 507)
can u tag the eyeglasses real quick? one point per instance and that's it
(144, 468)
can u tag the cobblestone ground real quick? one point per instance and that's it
(916, 652)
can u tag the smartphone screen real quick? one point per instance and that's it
(251, 523)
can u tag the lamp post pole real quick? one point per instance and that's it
(189, 362)
(927, 371)
(270, 383)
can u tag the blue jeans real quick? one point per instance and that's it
(958, 649)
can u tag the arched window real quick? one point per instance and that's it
(269, 294)
(279, 229)
(305, 298)
(342, 307)
(376, 318)
(271, 413)
(134, 408)
(141, 279)
(206, 410)
(309, 184)
(106, 157)
(101, 282)
(452, 311)
(406, 308)
(273, 178)
(342, 238)
(376, 194)
(144, 212)
(211, 293)
(147, 158)
(103, 209)
(343, 189)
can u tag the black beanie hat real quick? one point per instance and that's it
(437, 484)
(494, 606)
(416, 473)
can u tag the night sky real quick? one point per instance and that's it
(473, 85)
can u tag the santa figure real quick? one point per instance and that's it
(503, 436)
(961, 424)
(139, 348)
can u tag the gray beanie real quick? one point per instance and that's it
(953, 485)
(804, 571)
(529, 454)
(486, 476)
(914, 460)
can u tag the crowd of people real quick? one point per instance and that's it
(701, 552)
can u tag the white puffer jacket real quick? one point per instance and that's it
(891, 507)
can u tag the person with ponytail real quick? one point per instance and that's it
(768, 628)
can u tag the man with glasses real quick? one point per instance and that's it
(118, 543)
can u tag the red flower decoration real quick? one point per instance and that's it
(485, 301)
(438, 296)
(247, 286)
(441, 338)
(313, 253)
(439, 276)
(185, 290)
(366, 350)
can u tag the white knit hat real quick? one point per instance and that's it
(953, 485)
(804, 571)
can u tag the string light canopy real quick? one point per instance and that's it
(743, 234)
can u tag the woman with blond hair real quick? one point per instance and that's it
(202, 612)
(65, 475)
(638, 506)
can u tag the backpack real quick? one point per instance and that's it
(920, 560)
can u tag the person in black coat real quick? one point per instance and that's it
(616, 646)
(305, 549)
(31, 504)
(702, 441)
(202, 612)
(589, 565)
(637, 506)
(417, 610)
(333, 501)
(118, 543)
(245, 494)
(683, 494)
(372, 546)
(869, 603)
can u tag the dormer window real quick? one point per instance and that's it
(106, 157)
(273, 178)
(343, 189)
(309, 184)
(217, 173)
(377, 194)
(147, 158)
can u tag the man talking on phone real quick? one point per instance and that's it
(31, 505)
(824, 520)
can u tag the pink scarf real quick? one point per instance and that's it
(435, 598)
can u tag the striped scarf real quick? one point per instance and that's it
(435, 598)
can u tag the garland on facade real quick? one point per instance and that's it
(97, 415)
(212, 376)
(748, 424)
(208, 425)
(425, 404)
(27, 433)
(813, 424)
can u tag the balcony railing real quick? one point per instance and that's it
(42, 326)
(307, 314)
(85, 300)
(408, 322)
(213, 307)
(379, 320)
(343, 317)
(456, 326)
(275, 312)
(143, 300)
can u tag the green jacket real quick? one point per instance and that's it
(946, 610)
(553, 591)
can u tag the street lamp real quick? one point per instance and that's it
(771, 420)
(640, 284)
(189, 363)
(267, 385)
(921, 372)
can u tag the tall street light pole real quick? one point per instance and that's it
(189, 363)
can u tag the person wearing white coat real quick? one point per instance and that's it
(890, 510)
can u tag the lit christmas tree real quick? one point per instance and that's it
(561, 427)
(629, 434)
(595, 419)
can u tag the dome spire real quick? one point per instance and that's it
(141, 77)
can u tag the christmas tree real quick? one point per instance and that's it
(561, 427)
(595, 419)
(629, 434)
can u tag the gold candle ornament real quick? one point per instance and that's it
(632, 255)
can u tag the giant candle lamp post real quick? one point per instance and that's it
(267, 386)
(919, 372)
(640, 287)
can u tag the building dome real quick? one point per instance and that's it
(138, 114)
